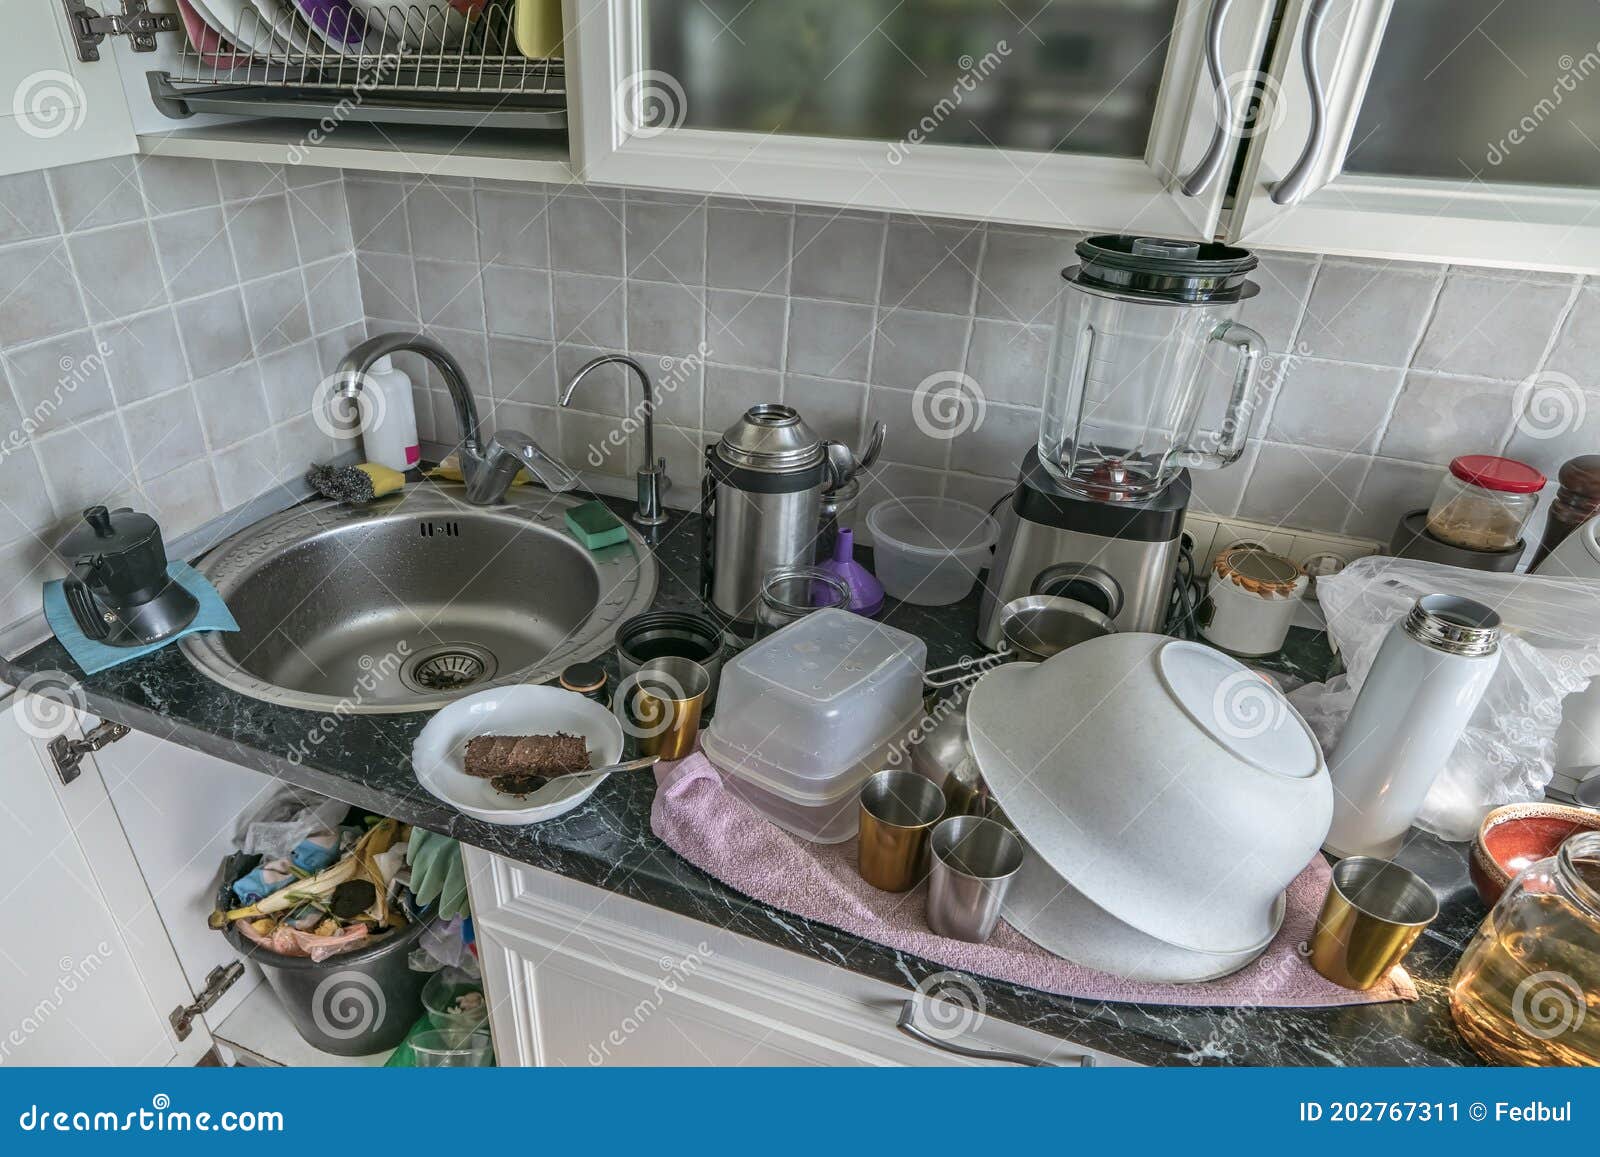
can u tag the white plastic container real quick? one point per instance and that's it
(389, 427)
(928, 551)
(806, 714)
(1251, 601)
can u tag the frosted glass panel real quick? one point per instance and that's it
(1497, 90)
(1047, 75)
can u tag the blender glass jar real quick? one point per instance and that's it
(1139, 327)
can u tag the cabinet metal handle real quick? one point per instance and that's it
(1210, 163)
(908, 1025)
(1295, 184)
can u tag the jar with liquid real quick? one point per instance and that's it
(1527, 989)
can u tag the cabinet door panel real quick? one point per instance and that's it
(55, 109)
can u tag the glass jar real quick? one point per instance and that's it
(1484, 502)
(790, 593)
(1527, 989)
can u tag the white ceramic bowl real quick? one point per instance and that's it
(1060, 919)
(1177, 790)
(438, 753)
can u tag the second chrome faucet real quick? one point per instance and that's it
(652, 476)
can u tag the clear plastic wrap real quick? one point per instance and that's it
(1550, 647)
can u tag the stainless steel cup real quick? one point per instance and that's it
(659, 705)
(974, 861)
(898, 810)
(1373, 913)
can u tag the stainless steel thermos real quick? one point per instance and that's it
(760, 501)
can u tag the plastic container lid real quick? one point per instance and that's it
(1506, 475)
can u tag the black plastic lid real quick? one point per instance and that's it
(1161, 270)
(109, 532)
(583, 677)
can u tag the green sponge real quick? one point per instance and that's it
(595, 526)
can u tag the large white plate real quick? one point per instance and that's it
(438, 754)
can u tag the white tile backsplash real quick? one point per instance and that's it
(164, 325)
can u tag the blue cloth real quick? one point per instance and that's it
(93, 656)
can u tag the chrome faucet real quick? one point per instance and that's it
(652, 476)
(488, 471)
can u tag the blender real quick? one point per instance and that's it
(1131, 406)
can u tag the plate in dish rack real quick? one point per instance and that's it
(439, 753)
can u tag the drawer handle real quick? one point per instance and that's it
(908, 1025)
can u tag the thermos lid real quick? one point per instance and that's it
(109, 532)
(1158, 270)
(771, 437)
(1454, 625)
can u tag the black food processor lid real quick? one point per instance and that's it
(1156, 269)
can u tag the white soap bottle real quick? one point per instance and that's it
(389, 421)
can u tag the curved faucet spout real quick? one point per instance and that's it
(652, 476)
(356, 364)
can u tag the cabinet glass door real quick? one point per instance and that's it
(1088, 114)
(1455, 130)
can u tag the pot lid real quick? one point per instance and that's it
(771, 437)
(1491, 472)
(1161, 271)
(109, 532)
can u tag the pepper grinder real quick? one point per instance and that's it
(1576, 501)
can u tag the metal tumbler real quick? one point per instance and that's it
(974, 861)
(898, 810)
(1374, 912)
(659, 705)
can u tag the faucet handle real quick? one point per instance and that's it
(551, 472)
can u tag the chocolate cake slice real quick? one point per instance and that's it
(522, 756)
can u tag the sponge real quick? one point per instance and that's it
(354, 485)
(595, 526)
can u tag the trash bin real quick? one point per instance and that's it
(351, 1005)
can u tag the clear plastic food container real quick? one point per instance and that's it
(1484, 502)
(820, 694)
(928, 551)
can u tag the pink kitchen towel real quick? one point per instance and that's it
(720, 834)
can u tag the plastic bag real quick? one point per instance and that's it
(1550, 647)
(277, 827)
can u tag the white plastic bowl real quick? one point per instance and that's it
(928, 551)
(439, 752)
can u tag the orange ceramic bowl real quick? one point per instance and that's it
(1512, 837)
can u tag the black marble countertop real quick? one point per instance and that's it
(607, 842)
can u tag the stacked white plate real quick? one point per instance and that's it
(1168, 796)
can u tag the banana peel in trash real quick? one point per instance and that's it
(356, 865)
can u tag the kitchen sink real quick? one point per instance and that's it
(414, 600)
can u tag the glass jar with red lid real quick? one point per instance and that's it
(1484, 502)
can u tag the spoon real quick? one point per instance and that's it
(550, 792)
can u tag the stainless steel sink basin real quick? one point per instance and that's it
(414, 600)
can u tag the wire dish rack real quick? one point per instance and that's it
(422, 63)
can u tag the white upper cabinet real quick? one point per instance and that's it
(1442, 130)
(1089, 114)
(54, 108)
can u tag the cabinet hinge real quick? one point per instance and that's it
(219, 980)
(67, 754)
(135, 21)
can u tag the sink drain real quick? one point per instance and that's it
(448, 667)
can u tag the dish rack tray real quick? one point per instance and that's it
(417, 63)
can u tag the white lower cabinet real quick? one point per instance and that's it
(577, 975)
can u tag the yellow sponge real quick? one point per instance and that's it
(450, 471)
(384, 480)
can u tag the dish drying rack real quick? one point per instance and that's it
(414, 64)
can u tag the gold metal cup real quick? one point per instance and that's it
(1374, 912)
(898, 810)
(660, 705)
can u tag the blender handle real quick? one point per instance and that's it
(1228, 442)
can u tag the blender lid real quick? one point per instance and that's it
(1159, 270)
(771, 437)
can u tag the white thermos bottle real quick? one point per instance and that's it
(1424, 685)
